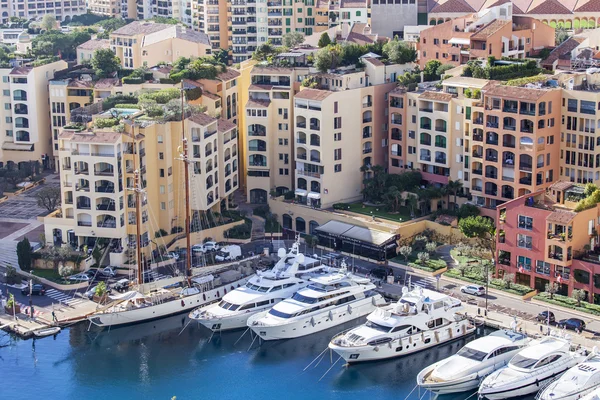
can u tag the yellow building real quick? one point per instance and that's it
(146, 43)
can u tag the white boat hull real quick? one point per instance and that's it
(463, 384)
(161, 310)
(524, 387)
(315, 323)
(404, 346)
(226, 323)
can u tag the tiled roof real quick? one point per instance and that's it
(549, 7)
(189, 35)
(489, 29)
(140, 28)
(80, 84)
(260, 87)
(589, 6)
(224, 126)
(373, 61)
(439, 96)
(97, 137)
(564, 48)
(515, 92)
(562, 185)
(272, 70)
(21, 71)
(210, 95)
(95, 44)
(228, 75)
(107, 83)
(313, 94)
(561, 217)
(453, 6)
(202, 119)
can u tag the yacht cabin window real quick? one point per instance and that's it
(472, 354)
(548, 360)
(522, 362)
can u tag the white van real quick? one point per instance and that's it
(229, 253)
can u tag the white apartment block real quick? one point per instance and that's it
(63, 10)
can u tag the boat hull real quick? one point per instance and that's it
(227, 323)
(463, 384)
(404, 346)
(318, 322)
(526, 387)
(161, 310)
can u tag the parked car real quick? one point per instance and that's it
(574, 324)
(92, 291)
(229, 253)
(211, 246)
(121, 285)
(198, 249)
(473, 289)
(37, 289)
(109, 272)
(545, 317)
(82, 277)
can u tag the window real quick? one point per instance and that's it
(524, 262)
(542, 267)
(337, 123)
(6, 92)
(335, 107)
(524, 241)
(162, 172)
(163, 205)
(525, 222)
(337, 137)
(337, 168)
(161, 156)
(159, 138)
(162, 189)
(337, 154)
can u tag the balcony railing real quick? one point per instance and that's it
(367, 150)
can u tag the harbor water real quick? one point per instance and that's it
(156, 360)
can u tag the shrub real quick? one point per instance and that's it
(341, 206)
(423, 257)
(106, 122)
(262, 210)
(133, 80)
(289, 195)
(167, 81)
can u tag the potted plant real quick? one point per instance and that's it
(12, 307)
(100, 293)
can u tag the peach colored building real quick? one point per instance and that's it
(541, 239)
(497, 33)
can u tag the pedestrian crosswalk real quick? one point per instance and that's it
(63, 297)
(424, 282)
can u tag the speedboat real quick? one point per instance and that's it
(593, 395)
(421, 319)
(330, 299)
(578, 381)
(465, 370)
(531, 369)
(290, 274)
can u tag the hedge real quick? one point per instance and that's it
(129, 106)
(432, 265)
(519, 290)
(133, 80)
(567, 302)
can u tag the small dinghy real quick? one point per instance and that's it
(46, 331)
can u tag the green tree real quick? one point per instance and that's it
(392, 198)
(12, 277)
(105, 63)
(48, 22)
(293, 39)
(430, 247)
(221, 56)
(164, 20)
(97, 255)
(328, 58)
(423, 257)
(405, 251)
(480, 228)
(578, 295)
(441, 71)
(561, 35)
(454, 187)
(100, 289)
(508, 279)
(24, 254)
(111, 24)
(324, 40)
(265, 52)
(412, 202)
(468, 210)
(375, 185)
(552, 288)
(399, 52)
(430, 70)
(48, 198)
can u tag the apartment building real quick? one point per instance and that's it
(389, 17)
(110, 8)
(63, 10)
(307, 139)
(542, 239)
(496, 33)
(146, 43)
(222, 94)
(98, 169)
(213, 17)
(85, 51)
(25, 124)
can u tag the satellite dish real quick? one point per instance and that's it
(300, 258)
(281, 252)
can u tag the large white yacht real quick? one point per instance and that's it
(329, 300)
(421, 319)
(578, 381)
(290, 274)
(465, 370)
(531, 369)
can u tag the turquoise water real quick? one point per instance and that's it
(155, 361)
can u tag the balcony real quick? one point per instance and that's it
(425, 126)
(427, 110)
(478, 137)
(478, 121)
(525, 167)
(492, 124)
(510, 144)
(510, 127)
(440, 160)
(84, 223)
(106, 207)
(555, 256)
(301, 156)
(493, 142)
(477, 171)
(491, 192)
(370, 119)
(367, 150)
(425, 157)
(525, 181)
(491, 175)
(491, 157)
(84, 206)
(368, 104)
(477, 154)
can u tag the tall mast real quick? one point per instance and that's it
(138, 217)
(188, 239)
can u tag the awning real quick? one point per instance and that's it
(16, 146)
(465, 41)
(334, 227)
(128, 296)
(314, 195)
(357, 233)
(301, 192)
(203, 279)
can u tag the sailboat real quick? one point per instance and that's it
(138, 306)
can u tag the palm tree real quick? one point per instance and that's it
(411, 203)
(454, 187)
(392, 198)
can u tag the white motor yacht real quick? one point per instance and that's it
(290, 274)
(578, 381)
(421, 319)
(465, 370)
(531, 369)
(330, 299)
(593, 395)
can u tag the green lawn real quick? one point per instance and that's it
(568, 302)
(380, 212)
(433, 264)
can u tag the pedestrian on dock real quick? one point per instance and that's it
(54, 319)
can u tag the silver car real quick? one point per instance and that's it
(473, 289)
